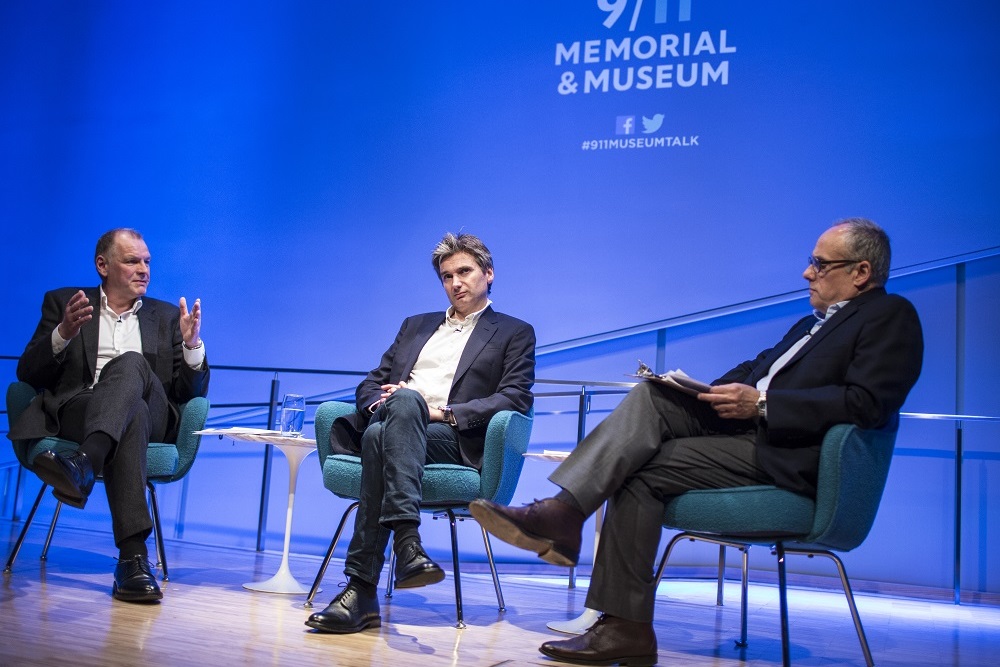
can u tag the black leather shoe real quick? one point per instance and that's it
(610, 641)
(550, 527)
(134, 581)
(351, 611)
(414, 567)
(70, 475)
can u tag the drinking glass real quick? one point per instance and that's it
(293, 414)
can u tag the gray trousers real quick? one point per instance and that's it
(129, 404)
(656, 444)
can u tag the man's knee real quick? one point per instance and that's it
(406, 400)
(126, 362)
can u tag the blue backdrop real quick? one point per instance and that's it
(293, 163)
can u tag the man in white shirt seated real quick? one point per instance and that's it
(429, 401)
(111, 366)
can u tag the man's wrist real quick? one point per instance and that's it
(447, 415)
(196, 346)
(762, 405)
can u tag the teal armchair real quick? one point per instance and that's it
(447, 489)
(166, 462)
(854, 465)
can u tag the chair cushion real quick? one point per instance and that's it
(161, 458)
(58, 445)
(746, 512)
(443, 484)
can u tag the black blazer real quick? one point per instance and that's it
(61, 377)
(496, 372)
(857, 369)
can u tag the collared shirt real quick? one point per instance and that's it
(782, 361)
(119, 333)
(434, 370)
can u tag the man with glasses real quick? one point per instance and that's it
(853, 361)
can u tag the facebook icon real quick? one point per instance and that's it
(625, 125)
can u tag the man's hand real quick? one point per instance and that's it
(78, 312)
(190, 322)
(389, 389)
(733, 401)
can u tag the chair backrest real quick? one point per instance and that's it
(194, 413)
(326, 413)
(19, 395)
(853, 468)
(503, 454)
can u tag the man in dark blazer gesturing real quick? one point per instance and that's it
(111, 366)
(854, 361)
(429, 401)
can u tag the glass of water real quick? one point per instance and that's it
(293, 414)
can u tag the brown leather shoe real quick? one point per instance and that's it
(549, 527)
(610, 641)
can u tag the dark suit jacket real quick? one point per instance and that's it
(59, 378)
(857, 369)
(496, 372)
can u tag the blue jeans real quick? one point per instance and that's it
(397, 444)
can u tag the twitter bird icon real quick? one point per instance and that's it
(650, 125)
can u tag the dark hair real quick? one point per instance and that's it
(107, 241)
(867, 241)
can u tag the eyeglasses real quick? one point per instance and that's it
(821, 265)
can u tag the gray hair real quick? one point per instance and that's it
(451, 244)
(867, 241)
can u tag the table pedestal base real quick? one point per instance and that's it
(281, 582)
(576, 626)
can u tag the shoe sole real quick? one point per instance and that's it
(629, 661)
(374, 623)
(510, 533)
(135, 597)
(78, 503)
(55, 478)
(426, 577)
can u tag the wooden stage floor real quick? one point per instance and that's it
(60, 612)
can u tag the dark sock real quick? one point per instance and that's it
(404, 532)
(362, 585)
(131, 547)
(565, 496)
(97, 446)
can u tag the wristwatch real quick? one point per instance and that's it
(449, 415)
(762, 405)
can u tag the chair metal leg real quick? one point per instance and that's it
(786, 659)
(161, 552)
(493, 570)
(52, 529)
(666, 555)
(329, 554)
(458, 578)
(24, 531)
(744, 590)
(722, 575)
(745, 548)
(390, 580)
(848, 593)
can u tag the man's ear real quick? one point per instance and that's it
(102, 266)
(863, 274)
